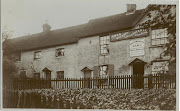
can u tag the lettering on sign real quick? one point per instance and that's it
(137, 47)
(130, 34)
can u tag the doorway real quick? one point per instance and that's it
(138, 74)
(87, 76)
(47, 75)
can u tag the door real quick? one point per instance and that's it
(48, 79)
(138, 73)
(87, 76)
(48, 75)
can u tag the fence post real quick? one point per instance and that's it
(175, 80)
(89, 84)
(150, 86)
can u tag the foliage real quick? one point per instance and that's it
(134, 99)
(163, 16)
(9, 67)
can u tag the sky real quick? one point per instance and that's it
(27, 16)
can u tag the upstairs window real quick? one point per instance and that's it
(104, 44)
(37, 55)
(60, 75)
(159, 36)
(160, 67)
(59, 52)
(103, 71)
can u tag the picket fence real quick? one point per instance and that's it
(121, 82)
(12, 98)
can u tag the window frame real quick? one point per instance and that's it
(58, 50)
(155, 38)
(36, 74)
(104, 44)
(106, 73)
(163, 67)
(21, 71)
(61, 75)
(39, 56)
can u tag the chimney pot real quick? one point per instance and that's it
(46, 27)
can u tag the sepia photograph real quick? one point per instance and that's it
(89, 54)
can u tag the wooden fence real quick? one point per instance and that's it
(122, 82)
(12, 98)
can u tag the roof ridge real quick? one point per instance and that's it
(49, 31)
(120, 14)
(70, 34)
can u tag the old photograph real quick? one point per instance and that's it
(65, 54)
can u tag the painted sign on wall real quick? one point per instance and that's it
(137, 47)
(129, 34)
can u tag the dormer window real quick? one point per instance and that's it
(59, 52)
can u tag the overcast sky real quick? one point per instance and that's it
(28, 16)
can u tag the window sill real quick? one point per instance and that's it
(104, 54)
(60, 57)
(37, 59)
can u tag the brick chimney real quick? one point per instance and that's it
(46, 27)
(131, 8)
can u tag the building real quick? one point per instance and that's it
(108, 46)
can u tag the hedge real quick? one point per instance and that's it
(134, 99)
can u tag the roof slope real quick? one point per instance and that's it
(49, 39)
(116, 22)
(69, 35)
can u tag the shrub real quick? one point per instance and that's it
(134, 99)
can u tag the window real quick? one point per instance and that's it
(103, 71)
(23, 74)
(104, 44)
(160, 67)
(37, 55)
(60, 75)
(59, 52)
(159, 37)
(37, 75)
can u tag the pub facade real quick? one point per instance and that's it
(108, 46)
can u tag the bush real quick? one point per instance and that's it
(134, 99)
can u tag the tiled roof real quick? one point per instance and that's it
(69, 35)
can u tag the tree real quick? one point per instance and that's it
(9, 67)
(164, 16)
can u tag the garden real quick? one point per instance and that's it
(134, 99)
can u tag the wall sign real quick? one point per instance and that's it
(137, 47)
(129, 34)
